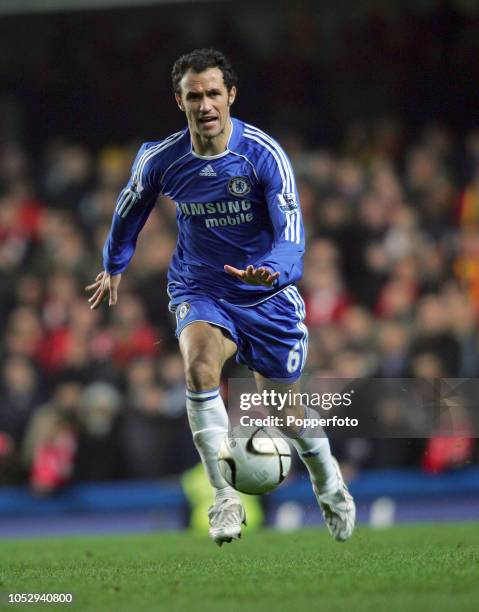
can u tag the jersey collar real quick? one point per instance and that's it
(229, 145)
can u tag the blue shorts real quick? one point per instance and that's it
(271, 336)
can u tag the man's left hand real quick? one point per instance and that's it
(254, 276)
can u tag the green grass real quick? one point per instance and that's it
(408, 568)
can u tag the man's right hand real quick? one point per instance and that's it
(254, 276)
(105, 286)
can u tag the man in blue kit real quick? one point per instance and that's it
(232, 276)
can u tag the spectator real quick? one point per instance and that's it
(99, 454)
(50, 442)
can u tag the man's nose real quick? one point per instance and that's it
(205, 105)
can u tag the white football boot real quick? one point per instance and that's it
(338, 509)
(226, 517)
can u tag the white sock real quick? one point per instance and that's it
(209, 425)
(315, 453)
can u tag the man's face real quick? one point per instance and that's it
(205, 101)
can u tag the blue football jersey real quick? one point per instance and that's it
(240, 207)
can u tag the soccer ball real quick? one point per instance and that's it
(253, 461)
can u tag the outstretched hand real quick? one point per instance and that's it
(253, 276)
(105, 286)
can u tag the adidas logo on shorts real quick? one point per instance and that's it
(208, 171)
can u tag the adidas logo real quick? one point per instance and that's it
(208, 171)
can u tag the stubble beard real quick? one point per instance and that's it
(211, 137)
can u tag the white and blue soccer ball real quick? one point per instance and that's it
(253, 460)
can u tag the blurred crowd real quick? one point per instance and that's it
(391, 283)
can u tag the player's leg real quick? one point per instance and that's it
(329, 487)
(274, 342)
(315, 452)
(205, 348)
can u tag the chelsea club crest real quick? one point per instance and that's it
(239, 185)
(183, 310)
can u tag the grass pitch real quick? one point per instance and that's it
(418, 568)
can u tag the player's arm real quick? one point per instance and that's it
(283, 264)
(282, 199)
(132, 209)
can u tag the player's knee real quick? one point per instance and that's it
(201, 373)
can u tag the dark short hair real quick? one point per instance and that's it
(200, 60)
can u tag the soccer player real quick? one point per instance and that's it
(232, 276)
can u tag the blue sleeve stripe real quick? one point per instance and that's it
(129, 197)
(173, 163)
(293, 219)
(280, 165)
(149, 153)
(284, 157)
(249, 129)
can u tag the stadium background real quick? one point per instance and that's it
(377, 107)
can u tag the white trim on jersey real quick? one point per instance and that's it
(293, 222)
(232, 334)
(249, 162)
(255, 137)
(124, 197)
(126, 209)
(149, 153)
(128, 198)
(172, 164)
(125, 202)
(268, 297)
(250, 129)
(295, 298)
(208, 157)
(297, 225)
(218, 155)
(288, 227)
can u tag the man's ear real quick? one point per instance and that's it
(231, 95)
(179, 102)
